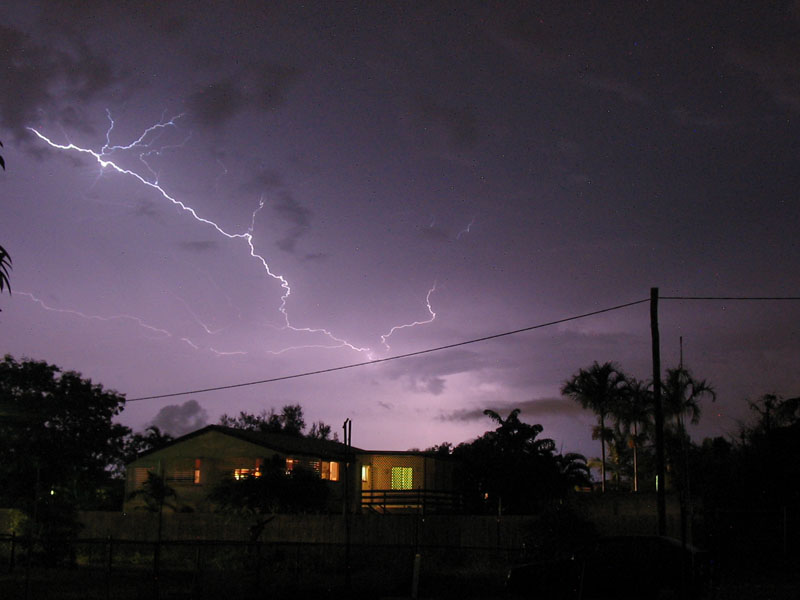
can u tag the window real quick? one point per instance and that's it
(291, 463)
(330, 470)
(197, 462)
(364, 473)
(139, 476)
(245, 473)
(180, 476)
(402, 478)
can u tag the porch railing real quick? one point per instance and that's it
(423, 500)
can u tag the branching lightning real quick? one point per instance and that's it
(145, 145)
(386, 336)
(77, 313)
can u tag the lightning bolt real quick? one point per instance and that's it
(140, 322)
(466, 229)
(145, 143)
(162, 333)
(103, 159)
(197, 319)
(386, 336)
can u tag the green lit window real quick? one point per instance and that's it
(402, 478)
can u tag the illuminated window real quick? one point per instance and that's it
(197, 471)
(330, 470)
(402, 478)
(245, 473)
(291, 463)
(364, 473)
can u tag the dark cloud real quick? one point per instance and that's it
(146, 208)
(297, 216)
(216, 103)
(312, 256)
(268, 82)
(38, 78)
(291, 211)
(428, 374)
(178, 419)
(533, 408)
(288, 243)
(265, 179)
(261, 86)
(199, 246)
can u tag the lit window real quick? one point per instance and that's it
(291, 463)
(402, 478)
(364, 473)
(330, 470)
(197, 471)
(245, 473)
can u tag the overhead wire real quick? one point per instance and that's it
(389, 358)
(729, 297)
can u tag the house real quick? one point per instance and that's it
(408, 481)
(357, 479)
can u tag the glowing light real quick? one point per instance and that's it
(102, 158)
(466, 229)
(386, 336)
(145, 144)
(140, 322)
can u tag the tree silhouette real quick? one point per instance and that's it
(511, 469)
(151, 438)
(682, 394)
(59, 425)
(598, 388)
(269, 491)
(289, 421)
(156, 495)
(634, 417)
(5, 259)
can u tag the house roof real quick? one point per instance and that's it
(280, 442)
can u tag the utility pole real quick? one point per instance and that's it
(661, 497)
(347, 426)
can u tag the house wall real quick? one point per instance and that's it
(429, 473)
(218, 455)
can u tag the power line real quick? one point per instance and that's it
(729, 297)
(390, 358)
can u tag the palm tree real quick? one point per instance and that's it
(634, 414)
(5, 259)
(513, 435)
(681, 394)
(573, 470)
(156, 494)
(5, 265)
(597, 388)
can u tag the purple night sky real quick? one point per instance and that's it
(524, 161)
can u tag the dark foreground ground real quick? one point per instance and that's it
(745, 579)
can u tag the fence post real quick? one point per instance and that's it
(11, 553)
(415, 576)
(109, 561)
